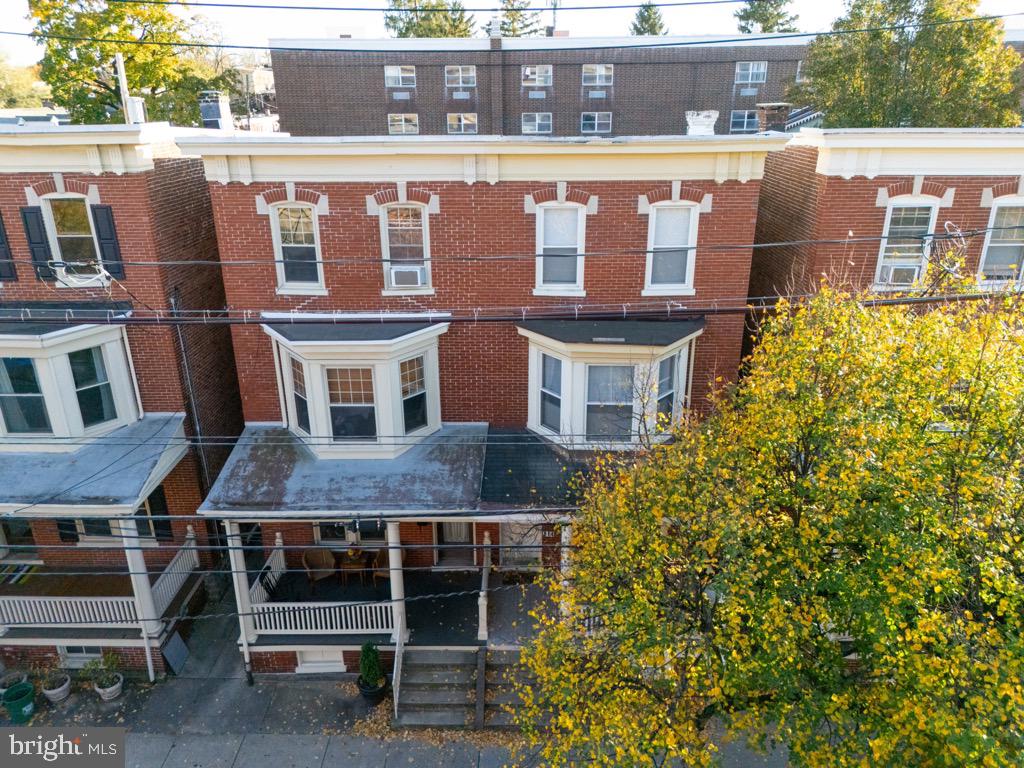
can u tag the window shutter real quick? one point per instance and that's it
(66, 530)
(106, 235)
(7, 271)
(38, 242)
(158, 508)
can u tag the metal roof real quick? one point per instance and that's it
(646, 333)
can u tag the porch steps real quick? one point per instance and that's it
(438, 689)
(503, 672)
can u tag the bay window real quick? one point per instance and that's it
(671, 242)
(22, 404)
(414, 394)
(666, 390)
(299, 397)
(561, 234)
(610, 397)
(1003, 256)
(551, 393)
(906, 240)
(351, 403)
(92, 387)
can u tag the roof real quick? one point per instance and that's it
(110, 471)
(646, 333)
(39, 318)
(523, 469)
(306, 332)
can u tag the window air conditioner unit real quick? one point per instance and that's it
(408, 277)
(900, 275)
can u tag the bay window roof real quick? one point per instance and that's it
(346, 331)
(644, 333)
(40, 318)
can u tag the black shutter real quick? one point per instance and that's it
(158, 508)
(7, 271)
(38, 242)
(66, 530)
(110, 249)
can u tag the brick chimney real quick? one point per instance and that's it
(701, 123)
(771, 116)
(494, 30)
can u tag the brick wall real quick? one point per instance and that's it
(287, 661)
(29, 657)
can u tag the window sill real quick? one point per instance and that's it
(668, 290)
(301, 290)
(551, 291)
(425, 291)
(90, 542)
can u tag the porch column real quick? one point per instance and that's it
(240, 580)
(397, 582)
(144, 605)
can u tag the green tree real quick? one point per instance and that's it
(648, 21)
(20, 86)
(517, 20)
(81, 73)
(765, 16)
(428, 18)
(833, 559)
(930, 74)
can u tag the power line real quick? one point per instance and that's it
(677, 44)
(274, 7)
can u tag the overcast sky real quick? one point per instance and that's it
(252, 26)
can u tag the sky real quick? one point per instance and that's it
(252, 26)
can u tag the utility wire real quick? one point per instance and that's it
(273, 7)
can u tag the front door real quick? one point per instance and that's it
(452, 549)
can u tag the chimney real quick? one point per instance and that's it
(701, 123)
(494, 30)
(771, 116)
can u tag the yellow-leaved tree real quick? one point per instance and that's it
(834, 559)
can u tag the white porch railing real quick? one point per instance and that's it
(267, 578)
(174, 576)
(323, 618)
(31, 611)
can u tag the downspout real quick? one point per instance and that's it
(190, 392)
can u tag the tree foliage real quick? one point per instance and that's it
(648, 21)
(765, 16)
(957, 75)
(517, 20)
(20, 86)
(81, 73)
(833, 558)
(428, 18)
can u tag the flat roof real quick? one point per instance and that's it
(300, 332)
(646, 333)
(39, 318)
(923, 138)
(115, 133)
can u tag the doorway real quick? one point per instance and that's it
(16, 542)
(453, 540)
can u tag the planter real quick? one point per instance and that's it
(111, 693)
(57, 693)
(11, 679)
(20, 702)
(372, 693)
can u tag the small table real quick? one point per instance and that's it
(352, 559)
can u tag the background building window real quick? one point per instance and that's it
(456, 76)
(537, 75)
(551, 393)
(670, 244)
(95, 398)
(536, 122)
(403, 123)
(743, 121)
(598, 74)
(414, 394)
(351, 403)
(402, 76)
(751, 72)
(297, 235)
(907, 236)
(462, 122)
(21, 400)
(299, 397)
(560, 245)
(610, 402)
(72, 228)
(596, 122)
(1004, 254)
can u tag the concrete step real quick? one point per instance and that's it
(436, 696)
(455, 677)
(502, 697)
(439, 658)
(435, 718)
(503, 657)
(499, 719)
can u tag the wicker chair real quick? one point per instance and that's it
(319, 564)
(381, 564)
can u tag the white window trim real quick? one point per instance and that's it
(460, 83)
(296, 289)
(384, 359)
(53, 370)
(427, 289)
(598, 81)
(77, 660)
(1006, 201)
(745, 121)
(425, 429)
(51, 236)
(563, 289)
(597, 120)
(522, 124)
(671, 289)
(551, 76)
(399, 68)
(352, 538)
(117, 534)
(906, 201)
(575, 361)
(749, 71)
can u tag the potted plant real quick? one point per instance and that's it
(371, 681)
(11, 679)
(105, 678)
(55, 682)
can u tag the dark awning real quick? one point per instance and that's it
(38, 318)
(345, 331)
(646, 333)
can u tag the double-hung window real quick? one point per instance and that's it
(537, 75)
(610, 398)
(402, 123)
(73, 232)
(92, 387)
(300, 400)
(551, 393)
(350, 392)
(666, 390)
(414, 393)
(400, 76)
(598, 74)
(22, 404)
(748, 72)
(151, 518)
(406, 247)
(462, 122)
(536, 122)
(671, 239)
(298, 252)
(560, 239)
(595, 122)
(743, 121)
(1003, 258)
(906, 241)
(460, 76)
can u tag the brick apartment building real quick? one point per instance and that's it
(94, 412)
(546, 86)
(880, 196)
(446, 330)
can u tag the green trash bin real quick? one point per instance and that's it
(20, 702)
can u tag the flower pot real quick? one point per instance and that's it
(20, 702)
(111, 693)
(372, 693)
(11, 679)
(57, 693)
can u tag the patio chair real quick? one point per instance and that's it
(319, 564)
(381, 569)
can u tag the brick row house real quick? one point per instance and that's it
(441, 333)
(95, 413)
(881, 197)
